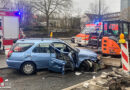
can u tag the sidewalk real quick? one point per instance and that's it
(3, 62)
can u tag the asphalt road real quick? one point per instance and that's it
(44, 79)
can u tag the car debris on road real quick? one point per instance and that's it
(115, 80)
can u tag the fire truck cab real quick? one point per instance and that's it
(9, 28)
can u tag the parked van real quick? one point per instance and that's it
(83, 37)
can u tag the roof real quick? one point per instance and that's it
(39, 40)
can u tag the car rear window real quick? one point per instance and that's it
(21, 47)
(42, 48)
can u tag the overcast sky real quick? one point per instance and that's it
(114, 5)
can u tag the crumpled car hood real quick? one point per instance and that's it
(87, 54)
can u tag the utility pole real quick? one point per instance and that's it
(99, 11)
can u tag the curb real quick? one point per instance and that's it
(65, 38)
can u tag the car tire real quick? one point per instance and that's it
(28, 68)
(79, 45)
(72, 40)
(85, 66)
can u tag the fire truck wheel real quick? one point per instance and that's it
(28, 68)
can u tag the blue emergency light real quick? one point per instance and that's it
(96, 23)
(18, 13)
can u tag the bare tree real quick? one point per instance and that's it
(26, 11)
(94, 7)
(98, 9)
(48, 7)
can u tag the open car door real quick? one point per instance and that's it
(60, 61)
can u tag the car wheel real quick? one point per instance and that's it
(79, 45)
(72, 40)
(28, 68)
(85, 66)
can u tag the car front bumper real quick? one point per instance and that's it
(83, 43)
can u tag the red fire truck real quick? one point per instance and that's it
(9, 28)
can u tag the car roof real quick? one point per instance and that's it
(39, 40)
